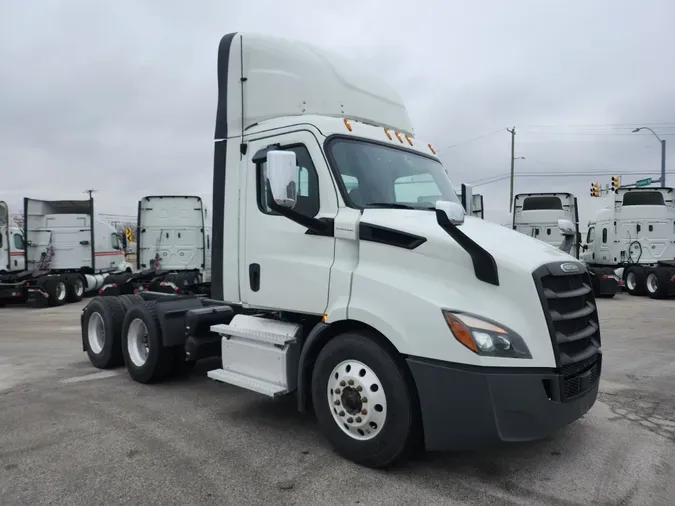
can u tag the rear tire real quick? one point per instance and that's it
(128, 301)
(656, 283)
(74, 288)
(385, 429)
(145, 356)
(634, 280)
(101, 327)
(56, 291)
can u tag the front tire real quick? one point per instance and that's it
(366, 406)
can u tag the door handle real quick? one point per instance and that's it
(254, 276)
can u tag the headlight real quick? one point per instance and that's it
(484, 337)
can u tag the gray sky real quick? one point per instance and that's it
(121, 96)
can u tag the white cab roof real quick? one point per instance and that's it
(283, 77)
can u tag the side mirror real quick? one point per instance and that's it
(566, 227)
(282, 176)
(124, 242)
(454, 211)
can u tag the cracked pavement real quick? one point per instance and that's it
(74, 435)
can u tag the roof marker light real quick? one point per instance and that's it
(432, 149)
(409, 139)
(348, 124)
(398, 136)
(386, 131)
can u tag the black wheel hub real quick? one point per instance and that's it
(351, 400)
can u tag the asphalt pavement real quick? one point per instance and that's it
(74, 435)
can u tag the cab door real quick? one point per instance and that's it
(281, 265)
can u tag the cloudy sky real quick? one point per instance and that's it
(121, 96)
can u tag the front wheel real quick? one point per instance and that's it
(366, 406)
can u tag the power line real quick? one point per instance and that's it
(501, 177)
(474, 139)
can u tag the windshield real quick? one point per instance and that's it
(382, 176)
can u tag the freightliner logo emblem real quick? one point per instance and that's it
(569, 267)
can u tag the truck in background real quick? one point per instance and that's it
(11, 243)
(471, 202)
(537, 215)
(67, 252)
(173, 248)
(397, 318)
(636, 233)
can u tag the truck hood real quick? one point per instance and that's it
(509, 248)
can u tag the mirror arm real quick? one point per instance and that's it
(315, 225)
(484, 264)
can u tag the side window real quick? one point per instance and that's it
(591, 235)
(604, 235)
(114, 241)
(18, 242)
(417, 189)
(308, 184)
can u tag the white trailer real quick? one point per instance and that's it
(398, 319)
(173, 248)
(636, 233)
(67, 252)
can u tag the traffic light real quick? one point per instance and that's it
(616, 182)
(595, 189)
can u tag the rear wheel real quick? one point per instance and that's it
(74, 288)
(634, 279)
(101, 327)
(656, 283)
(145, 356)
(56, 291)
(365, 404)
(128, 301)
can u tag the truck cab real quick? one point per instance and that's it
(537, 215)
(472, 202)
(11, 243)
(636, 232)
(346, 272)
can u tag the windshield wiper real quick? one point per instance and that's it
(391, 205)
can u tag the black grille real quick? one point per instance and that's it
(572, 317)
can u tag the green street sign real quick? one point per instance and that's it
(643, 182)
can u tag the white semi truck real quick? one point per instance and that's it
(537, 215)
(173, 249)
(11, 243)
(472, 202)
(67, 252)
(636, 233)
(399, 321)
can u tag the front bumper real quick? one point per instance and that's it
(466, 408)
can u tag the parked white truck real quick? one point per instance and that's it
(636, 233)
(399, 321)
(66, 253)
(173, 249)
(537, 215)
(471, 202)
(11, 243)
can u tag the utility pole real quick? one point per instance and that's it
(513, 163)
(89, 192)
(663, 153)
(663, 163)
